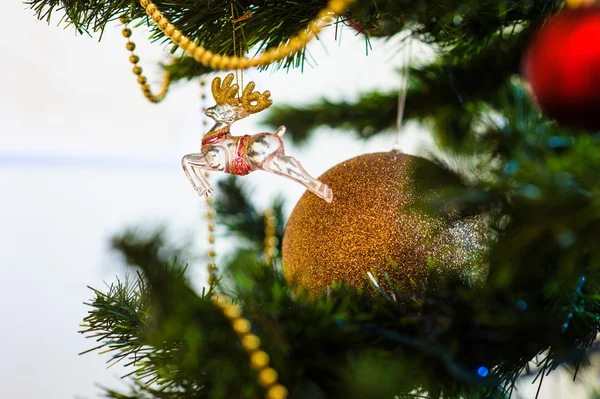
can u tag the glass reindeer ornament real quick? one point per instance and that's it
(240, 155)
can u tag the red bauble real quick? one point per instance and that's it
(563, 67)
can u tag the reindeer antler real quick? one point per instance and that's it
(253, 101)
(225, 93)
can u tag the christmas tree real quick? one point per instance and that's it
(399, 277)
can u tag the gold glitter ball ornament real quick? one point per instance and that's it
(372, 227)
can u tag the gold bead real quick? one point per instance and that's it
(162, 23)
(134, 59)
(176, 36)
(145, 87)
(137, 70)
(273, 241)
(267, 377)
(209, 213)
(337, 6)
(254, 62)
(150, 9)
(234, 62)
(211, 266)
(184, 42)
(272, 252)
(259, 360)
(126, 32)
(144, 3)
(250, 342)
(169, 30)
(198, 53)
(242, 326)
(124, 19)
(206, 57)
(141, 80)
(267, 57)
(244, 63)
(222, 300)
(296, 44)
(305, 35)
(277, 391)
(130, 46)
(211, 227)
(325, 16)
(314, 26)
(215, 61)
(156, 16)
(211, 239)
(231, 312)
(224, 63)
(191, 48)
(212, 253)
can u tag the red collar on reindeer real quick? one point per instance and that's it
(216, 136)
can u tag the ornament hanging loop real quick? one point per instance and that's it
(402, 96)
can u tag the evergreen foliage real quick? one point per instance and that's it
(536, 182)
(541, 297)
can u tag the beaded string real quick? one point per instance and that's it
(211, 266)
(271, 240)
(259, 359)
(137, 70)
(215, 61)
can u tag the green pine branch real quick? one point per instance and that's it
(235, 210)
(467, 26)
(448, 94)
(347, 343)
(542, 297)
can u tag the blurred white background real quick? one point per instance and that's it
(83, 155)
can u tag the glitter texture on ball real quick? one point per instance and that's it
(372, 226)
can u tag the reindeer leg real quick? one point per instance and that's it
(291, 168)
(192, 166)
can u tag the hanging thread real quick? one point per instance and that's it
(402, 95)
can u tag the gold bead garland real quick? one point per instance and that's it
(137, 70)
(211, 266)
(271, 240)
(259, 360)
(216, 61)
